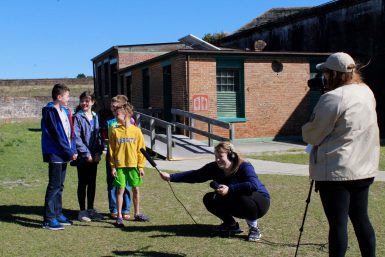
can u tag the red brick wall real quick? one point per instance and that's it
(156, 85)
(275, 103)
(137, 88)
(128, 59)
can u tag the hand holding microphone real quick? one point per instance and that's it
(219, 188)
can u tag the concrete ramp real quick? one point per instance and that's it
(184, 149)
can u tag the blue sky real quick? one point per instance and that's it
(58, 38)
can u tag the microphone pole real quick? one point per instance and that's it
(153, 164)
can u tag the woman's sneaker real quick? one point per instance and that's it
(83, 216)
(229, 228)
(254, 234)
(94, 215)
(53, 225)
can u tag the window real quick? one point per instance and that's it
(167, 92)
(99, 80)
(106, 71)
(128, 87)
(146, 88)
(114, 78)
(230, 94)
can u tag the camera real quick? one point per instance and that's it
(317, 83)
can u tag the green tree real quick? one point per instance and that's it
(215, 37)
(81, 76)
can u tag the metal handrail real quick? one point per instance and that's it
(210, 122)
(153, 123)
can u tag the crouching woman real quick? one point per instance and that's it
(238, 191)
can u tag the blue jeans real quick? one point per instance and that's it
(111, 190)
(54, 192)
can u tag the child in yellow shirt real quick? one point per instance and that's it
(126, 160)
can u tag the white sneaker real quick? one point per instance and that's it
(94, 215)
(83, 216)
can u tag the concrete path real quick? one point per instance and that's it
(262, 167)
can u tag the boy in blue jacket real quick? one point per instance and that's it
(58, 147)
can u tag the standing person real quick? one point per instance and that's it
(58, 147)
(116, 102)
(89, 147)
(239, 193)
(345, 155)
(126, 160)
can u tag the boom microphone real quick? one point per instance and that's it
(148, 157)
(153, 164)
(214, 185)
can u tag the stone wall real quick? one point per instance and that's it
(16, 107)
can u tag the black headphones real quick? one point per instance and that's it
(231, 155)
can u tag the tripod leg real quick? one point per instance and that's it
(304, 215)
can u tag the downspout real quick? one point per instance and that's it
(187, 94)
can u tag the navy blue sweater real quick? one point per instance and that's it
(244, 181)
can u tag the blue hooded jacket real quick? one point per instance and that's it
(54, 141)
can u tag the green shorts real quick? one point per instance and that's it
(130, 175)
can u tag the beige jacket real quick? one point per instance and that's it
(344, 132)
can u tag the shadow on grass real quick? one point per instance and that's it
(34, 129)
(186, 230)
(17, 214)
(144, 253)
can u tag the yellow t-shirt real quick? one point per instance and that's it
(124, 147)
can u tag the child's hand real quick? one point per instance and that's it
(89, 158)
(141, 172)
(74, 157)
(113, 172)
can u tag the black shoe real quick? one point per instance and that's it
(229, 228)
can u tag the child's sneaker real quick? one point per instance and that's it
(119, 223)
(94, 215)
(63, 220)
(83, 216)
(52, 225)
(254, 234)
(141, 217)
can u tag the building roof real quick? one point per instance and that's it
(270, 16)
(155, 47)
(269, 20)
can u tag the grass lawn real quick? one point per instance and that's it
(171, 232)
(300, 157)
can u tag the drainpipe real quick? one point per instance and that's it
(187, 83)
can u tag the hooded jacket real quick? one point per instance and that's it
(54, 142)
(87, 137)
(344, 133)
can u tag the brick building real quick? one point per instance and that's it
(352, 26)
(264, 94)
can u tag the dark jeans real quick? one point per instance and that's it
(251, 207)
(54, 192)
(111, 191)
(345, 199)
(86, 184)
